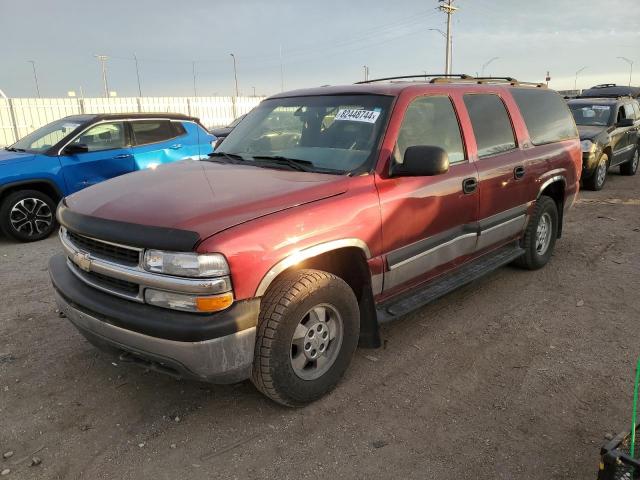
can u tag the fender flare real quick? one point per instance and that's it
(32, 181)
(305, 254)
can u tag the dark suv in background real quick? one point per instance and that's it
(609, 136)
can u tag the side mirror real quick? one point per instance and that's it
(75, 148)
(625, 122)
(422, 161)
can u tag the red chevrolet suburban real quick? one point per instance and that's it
(324, 213)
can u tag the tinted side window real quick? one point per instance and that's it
(178, 128)
(152, 131)
(431, 121)
(491, 124)
(628, 111)
(103, 136)
(545, 114)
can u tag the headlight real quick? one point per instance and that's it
(588, 146)
(186, 264)
(187, 302)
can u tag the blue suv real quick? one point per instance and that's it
(81, 150)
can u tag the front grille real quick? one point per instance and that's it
(106, 251)
(113, 283)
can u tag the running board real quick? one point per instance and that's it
(448, 282)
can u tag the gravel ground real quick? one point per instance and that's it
(518, 375)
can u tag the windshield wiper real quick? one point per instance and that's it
(293, 163)
(14, 149)
(231, 157)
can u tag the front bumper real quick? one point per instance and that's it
(216, 348)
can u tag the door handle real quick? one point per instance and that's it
(176, 146)
(123, 155)
(518, 172)
(469, 185)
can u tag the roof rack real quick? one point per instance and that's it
(424, 75)
(457, 78)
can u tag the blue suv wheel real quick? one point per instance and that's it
(27, 215)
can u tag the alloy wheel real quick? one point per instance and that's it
(543, 234)
(31, 216)
(316, 342)
(601, 172)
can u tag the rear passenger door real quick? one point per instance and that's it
(428, 223)
(157, 141)
(502, 173)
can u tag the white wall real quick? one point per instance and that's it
(20, 116)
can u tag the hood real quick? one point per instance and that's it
(201, 196)
(6, 155)
(588, 132)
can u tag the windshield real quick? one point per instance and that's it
(333, 134)
(47, 136)
(591, 115)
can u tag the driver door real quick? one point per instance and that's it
(97, 154)
(428, 223)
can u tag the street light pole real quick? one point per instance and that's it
(486, 64)
(135, 58)
(575, 82)
(193, 71)
(103, 60)
(630, 62)
(366, 73)
(35, 76)
(235, 72)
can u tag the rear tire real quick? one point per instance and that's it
(631, 167)
(307, 334)
(27, 215)
(599, 176)
(540, 236)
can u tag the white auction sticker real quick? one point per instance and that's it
(357, 115)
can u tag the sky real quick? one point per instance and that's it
(302, 43)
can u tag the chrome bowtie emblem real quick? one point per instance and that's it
(82, 260)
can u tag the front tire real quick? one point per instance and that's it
(27, 216)
(631, 167)
(540, 236)
(308, 331)
(599, 176)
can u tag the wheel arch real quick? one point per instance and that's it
(555, 189)
(347, 259)
(44, 185)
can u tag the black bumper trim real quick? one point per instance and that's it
(144, 236)
(149, 320)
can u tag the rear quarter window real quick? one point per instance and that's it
(545, 114)
(152, 131)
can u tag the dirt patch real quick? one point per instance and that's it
(518, 375)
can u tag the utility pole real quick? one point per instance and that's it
(135, 59)
(281, 71)
(447, 7)
(235, 72)
(366, 73)
(193, 71)
(575, 82)
(630, 62)
(254, 91)
(35, 76)
(103, 60)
